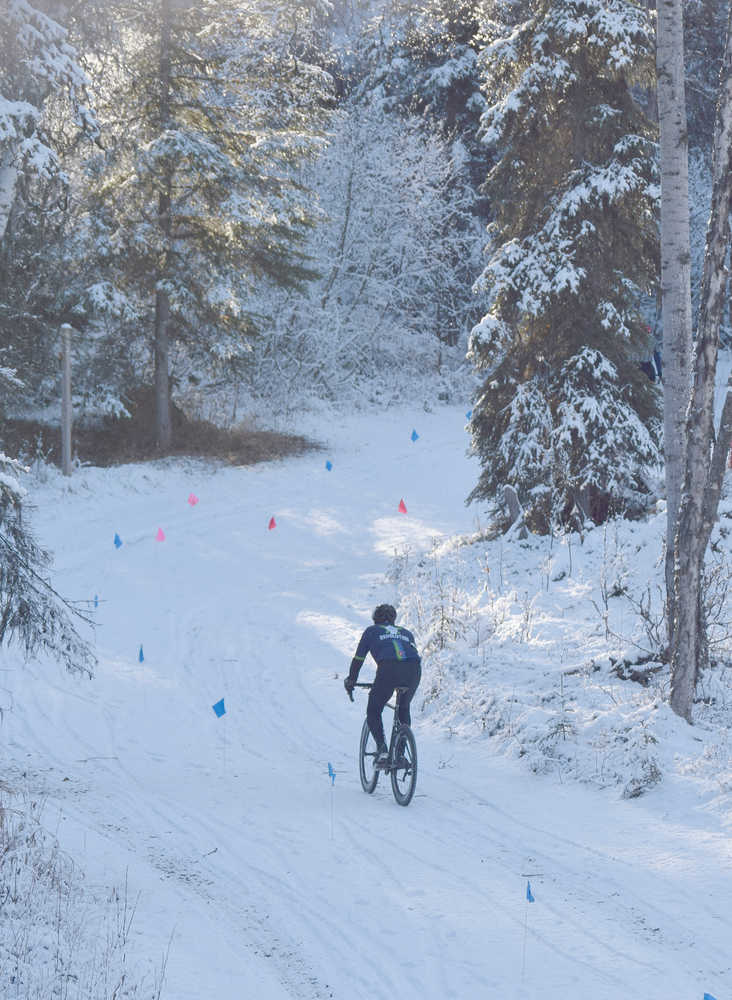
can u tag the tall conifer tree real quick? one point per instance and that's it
(212, 108)
(565, 414)
(37, 66)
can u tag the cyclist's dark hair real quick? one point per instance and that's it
(384, 614)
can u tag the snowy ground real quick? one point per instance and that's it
(263, 879)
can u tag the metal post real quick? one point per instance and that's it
(66, 400)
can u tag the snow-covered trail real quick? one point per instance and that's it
(224, 825)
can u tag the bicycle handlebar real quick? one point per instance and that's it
(366, 685)
(369, 684)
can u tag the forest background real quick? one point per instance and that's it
(247, 210)
(244, 211)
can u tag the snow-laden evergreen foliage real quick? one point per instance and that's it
(31, 613)
(36, 60)
(195, 197)
(572, 260)
(43, 112)
(423, 58)
(36, 64)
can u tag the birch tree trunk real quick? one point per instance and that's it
(675, 265)
(705, 457)
(163, 427)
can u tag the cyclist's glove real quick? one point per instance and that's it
(349, 685)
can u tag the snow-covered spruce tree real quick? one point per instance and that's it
(36, 61)
(32, 614)
(423, 59)
(704, 35)
(42, 115)
(210, 113)
(564, 414)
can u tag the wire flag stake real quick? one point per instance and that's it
(529, 899)
(332, 776)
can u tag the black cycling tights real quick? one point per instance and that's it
(389, 675)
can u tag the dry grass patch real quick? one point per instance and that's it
(113, 442)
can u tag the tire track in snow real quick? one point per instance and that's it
(477, 894)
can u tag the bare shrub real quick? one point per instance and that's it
(58, 939)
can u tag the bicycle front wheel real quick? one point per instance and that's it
(404, 766)
(366, 757)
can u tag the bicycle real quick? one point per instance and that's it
(401, 764)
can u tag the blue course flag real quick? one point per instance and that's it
(529, 894)
(708, 996)
(469, 414)
(415, 435)
(141, 655)
(219, 708)
(329, 465)
(117, 540)
(96, 600)
(331, 773)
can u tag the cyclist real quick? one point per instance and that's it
(397, 665)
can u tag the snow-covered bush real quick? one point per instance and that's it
(390, 308)
(32, 614)
(58, 937)
(554, 648)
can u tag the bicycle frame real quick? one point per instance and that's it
(398, 691)
(402, 760)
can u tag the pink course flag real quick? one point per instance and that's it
(272, 523)
(192, 499)
(402, 507)
(160, 537)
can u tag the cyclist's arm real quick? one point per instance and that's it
(359, 656)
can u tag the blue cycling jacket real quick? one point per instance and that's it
(384, 642)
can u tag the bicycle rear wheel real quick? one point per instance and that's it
(366, 758)
(404, 766)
